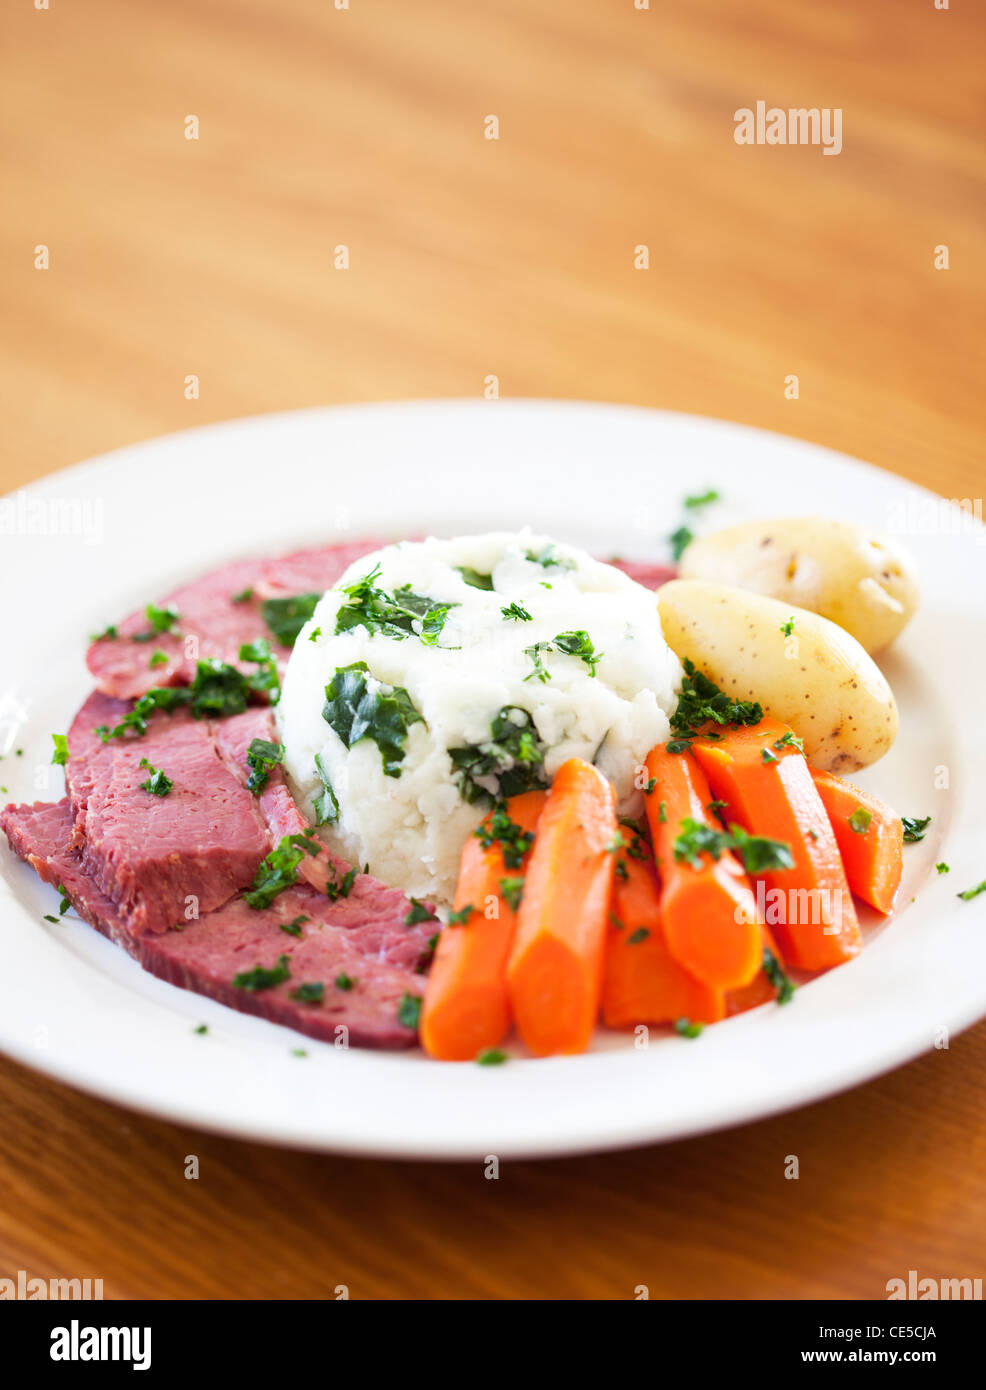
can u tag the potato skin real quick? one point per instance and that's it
(861, 580)
(819, 680)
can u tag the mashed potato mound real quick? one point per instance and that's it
(455, 672)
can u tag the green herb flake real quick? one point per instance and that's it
(49, 918)
(702, 499)
(340, 885)
(859, 821)
(160, 619)
(686, 1029)
(540, 671)
(491, 1057)
(662, 813)
(261, 978)
(158, 658)
(262, 755)
(512, 889)
(60, 755)
(636, 937)
(285, 617)
(158, 783)
(409, 1011)
(759, 853)
(499, 829)
(399, 615)
(579, 643)
(201, 1029)
(680, 540)
(244, 596)
(943, 868)
(790, 740)
(701, 702)
(474, 579)
(66, 901)
(294, 928)
(344, 982)
(766, 756)
(517, 612)
(788, 627)
(107, 634)
(311, 992)
(384, 714)
(971, 893)
(458, 918)
(510, 761)
(914, 829)
(549, 558)
(326, 805)
(778, 980)
(418, 912)
(279, 870)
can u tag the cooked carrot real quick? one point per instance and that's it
(707, 906)
(554, 975)
(870, 838)
(642, 981)
(465, 1005)
(769, 792)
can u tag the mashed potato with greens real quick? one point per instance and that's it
(439, 676)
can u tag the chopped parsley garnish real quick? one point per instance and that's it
(106, 634)
(344, 981)
(702, 499)
(409, 1011)
(326, 805)
(680, 541)
(383, 714)
(475, 579)
(700, 701)
(687, 1029)
(459, 918)
(262, 978)
(160, 619)
(943, 868)
(971, 893)
(60, 755)
(579, 643)
(636, 937)
(512, 889)
(696, 839)
(651, 784)
(548, 558)
(500, 830)
(398, 615)
(777, 978)
(294, 928)
(48, 918)
(859, 821)
(490, 1057)
(244, 596)
(278, 870)
(517, 612)
(540, 670)
(315, 634)
(790, 740)
(217, 692)
(662, 813)
(265, 680)
(758, 853)
(66, 901)
(340, 885)
(287, 616)
(201, 1029)
(788, 627)
(158, 658)
(158, 783)
(262, 755)
(311, 992)
(417, 913)
(914, 829)
(511, 760)
(766, 756)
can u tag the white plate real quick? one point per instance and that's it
(132, 524)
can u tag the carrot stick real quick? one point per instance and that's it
(707, 905)
(642, 981)
(465, 1007)
(554, 975)
(870, 838)
(769, 792)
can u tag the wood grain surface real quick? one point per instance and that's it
(216, 257)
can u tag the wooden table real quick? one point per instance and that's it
(215, 257)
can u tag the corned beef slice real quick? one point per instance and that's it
(121, 667)
(150, 854)
(362, 938)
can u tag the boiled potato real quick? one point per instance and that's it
(818, 679)
(863, 581)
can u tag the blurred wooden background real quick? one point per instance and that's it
(364, 128)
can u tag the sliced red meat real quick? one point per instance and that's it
(651, 576)
(159, 858)
(210, 623)
(361, 939)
